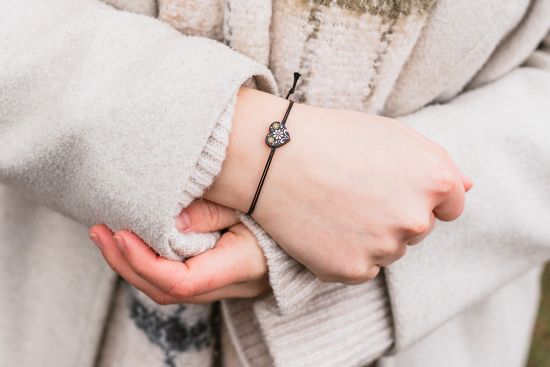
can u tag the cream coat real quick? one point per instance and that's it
(110, 116)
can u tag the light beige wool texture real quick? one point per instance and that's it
(121, 113)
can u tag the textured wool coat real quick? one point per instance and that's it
(120, 113)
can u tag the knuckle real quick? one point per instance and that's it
(231, 238)
(444, 181)
(179, 291)
(212, 212)
(389, 247)
(138, 269)
(162, 300)
(242, 232)
(417, 226)
(356, 273)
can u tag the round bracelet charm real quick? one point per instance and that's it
(277, 136)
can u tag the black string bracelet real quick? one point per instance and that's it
(278, 136)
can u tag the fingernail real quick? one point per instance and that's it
(120, 242)
(95, 238)
(183, 221)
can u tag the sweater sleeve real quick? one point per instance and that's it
(113, 117)
(291, 282)
(345, 325)
(499, 134)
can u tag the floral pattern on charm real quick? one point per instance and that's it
(277, 136)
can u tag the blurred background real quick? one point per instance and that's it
(540, 349)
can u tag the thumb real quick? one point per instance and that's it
(205, 216)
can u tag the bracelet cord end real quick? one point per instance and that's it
(297, 76)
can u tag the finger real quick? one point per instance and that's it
(239, 290)
(415, 240)
(236, 258)
(205, 216)
(466, 181)
(452, 204)
(119, 264)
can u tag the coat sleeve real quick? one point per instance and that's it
(499, 134)
(114, 117)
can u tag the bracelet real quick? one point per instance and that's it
(276, 137)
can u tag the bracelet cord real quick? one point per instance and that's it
(272, 152)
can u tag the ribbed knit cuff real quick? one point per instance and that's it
(245, 334)
(306, 322)
(340, 326)
(208, 166)
(291, 282)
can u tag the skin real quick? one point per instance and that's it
(235, 268)
(390, 200)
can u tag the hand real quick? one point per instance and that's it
(235, 268)
(347, 194)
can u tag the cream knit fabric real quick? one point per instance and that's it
(110, 116)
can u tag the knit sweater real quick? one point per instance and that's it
(111, 116)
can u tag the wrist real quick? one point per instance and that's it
(246, 152)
